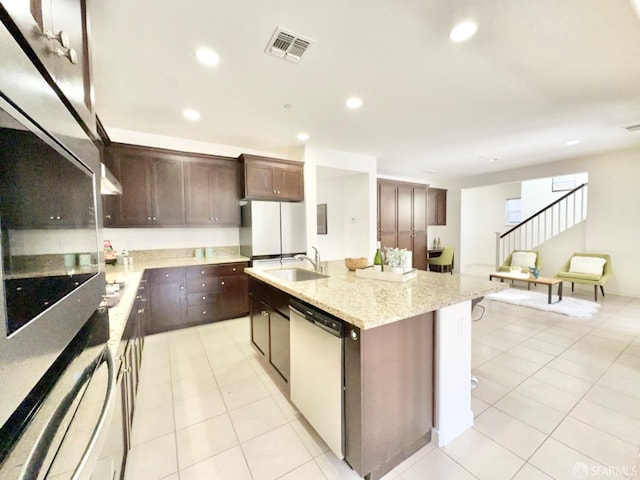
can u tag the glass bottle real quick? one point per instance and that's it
(377, 259)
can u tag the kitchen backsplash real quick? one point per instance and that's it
(172, 253)
(170, 238)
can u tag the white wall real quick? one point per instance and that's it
(538, 193)
(611, 226)
(331, 192)
(359, 197)
(345, 216)
(482, 214)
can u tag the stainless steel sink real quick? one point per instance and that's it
(296, 274)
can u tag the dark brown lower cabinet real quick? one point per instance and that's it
(182, 297)
(388, 393)
(279, 343)
(167, 303)
(235, 295)
(260, 326)
(270, 325)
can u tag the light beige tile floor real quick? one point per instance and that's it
(559, 398)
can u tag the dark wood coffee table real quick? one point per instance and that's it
(550, 282)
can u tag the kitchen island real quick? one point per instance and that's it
(407, 358)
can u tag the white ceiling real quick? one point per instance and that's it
(536, 75)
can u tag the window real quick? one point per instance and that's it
(514, 211)
(563, 183)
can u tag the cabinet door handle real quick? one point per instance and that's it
(181, 287)
(234, 269)
(166, 275)
(221, 283)
(204, 298)
(149, 219)
(204, 284)
(69, 53)
(108, 217)
(61, 37)
(202, 272)
(154, 219)
(204, 312)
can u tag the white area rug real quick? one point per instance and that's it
(573, 307)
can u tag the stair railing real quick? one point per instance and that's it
(552, 220)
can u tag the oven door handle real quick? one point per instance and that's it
(94, 444)
(41, 449)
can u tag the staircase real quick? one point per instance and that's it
(555, 218)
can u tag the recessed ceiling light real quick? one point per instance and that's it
(303, 136)
(207, 56)
(190, 114)
(354, 103)
(463, 31)
(491, 160)
(288, 106)
(572, 142)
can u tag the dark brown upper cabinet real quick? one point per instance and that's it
(152, 187)
(169, 188)
(266, 178)
(54, 33)
(212, 192)
(437, 206)
(402, 219)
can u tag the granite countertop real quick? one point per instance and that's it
(131, 274)
(369, 303)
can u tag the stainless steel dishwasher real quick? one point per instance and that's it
(317, 376)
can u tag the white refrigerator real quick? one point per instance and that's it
(272, 232)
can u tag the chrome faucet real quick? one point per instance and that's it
(315, 263)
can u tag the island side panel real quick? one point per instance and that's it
(389, 393)
(453, 414)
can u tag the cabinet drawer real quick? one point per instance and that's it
(232, 269)
(194, 299)
(200, 271)
(166, 275)
(202, 313)
(203, 285)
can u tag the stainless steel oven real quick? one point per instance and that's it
(58, 429)
(51, 280)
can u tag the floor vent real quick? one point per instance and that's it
(633, 128)
(288, 45)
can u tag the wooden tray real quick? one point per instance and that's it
(386, 276)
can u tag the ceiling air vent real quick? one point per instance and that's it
(288, 45)
(633, 128)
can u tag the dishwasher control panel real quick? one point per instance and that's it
(322, 319)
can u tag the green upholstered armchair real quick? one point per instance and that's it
(506, 265)
(588, 274)
(443, 262)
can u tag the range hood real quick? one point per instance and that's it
(109, 185)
